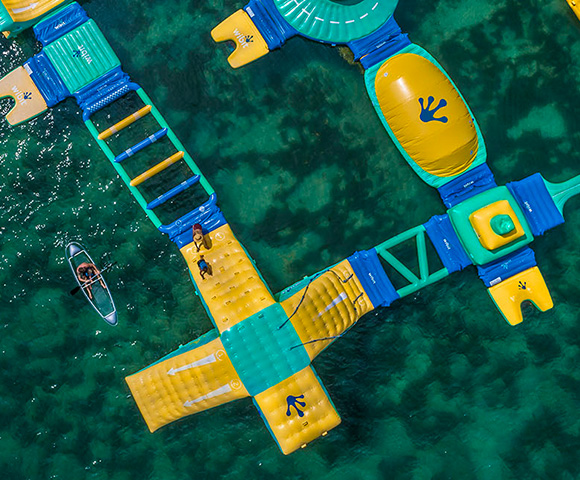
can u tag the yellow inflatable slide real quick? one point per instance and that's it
(16, 15)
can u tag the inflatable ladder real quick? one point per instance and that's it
(181, 154)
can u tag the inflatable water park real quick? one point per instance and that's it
(263, 344)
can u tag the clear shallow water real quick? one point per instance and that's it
(438, 386)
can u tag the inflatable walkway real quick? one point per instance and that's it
(263, 345)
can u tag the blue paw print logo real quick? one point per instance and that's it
(76, 53)
(249, 38)
(522, 286)
(428, 115)
(27, 95)
(293, 401)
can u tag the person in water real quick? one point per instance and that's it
(203, 267)
(85, 273)
(198, 238)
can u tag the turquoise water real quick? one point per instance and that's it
(438, 386)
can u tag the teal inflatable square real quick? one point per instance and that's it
(262, 353)
(82, 56)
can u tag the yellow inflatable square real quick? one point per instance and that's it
(481, 222)
(239, 28)
(297, 410)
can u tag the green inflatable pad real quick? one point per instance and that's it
(82, 56)
(6, 22)
(333, 22)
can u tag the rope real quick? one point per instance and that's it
(301, 300)
(316, 340)
(306, 291)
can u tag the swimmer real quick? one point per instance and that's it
(203, 267)
(198, 238)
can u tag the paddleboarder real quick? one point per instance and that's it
(85, 272)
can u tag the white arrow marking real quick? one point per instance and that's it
(343, 296)
(204, 361)
(24, 9)
(215, 393)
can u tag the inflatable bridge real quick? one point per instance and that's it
(263, 344)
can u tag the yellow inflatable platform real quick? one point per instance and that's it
(25, 10)
(235, 290)
(260, 347)
(575, 6)
(296, 420)
(528, 285)
(239, 29)
(184, 384)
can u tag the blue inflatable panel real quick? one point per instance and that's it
(536, 203)
(446, 243)
(506, 267)
(60, 24)
(208, 215)
(47, 79)
(270, 23)
(104, 91)
(373, 278)
(379, 45)
(467, 185)
(161, 199)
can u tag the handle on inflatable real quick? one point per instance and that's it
(562, 192)
(29, 101)
(239, 28)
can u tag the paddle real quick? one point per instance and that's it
(76, 290)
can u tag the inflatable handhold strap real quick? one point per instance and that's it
(527, 285)
(239, 28)
(29, 101)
